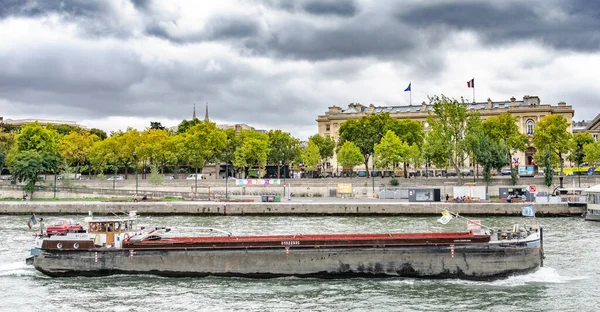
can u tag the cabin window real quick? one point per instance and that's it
(529, 124)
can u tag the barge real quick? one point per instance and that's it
(113, 246)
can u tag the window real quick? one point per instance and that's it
(327, 127)
(529, 124)
(596, 137)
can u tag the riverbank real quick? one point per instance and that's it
(294, 207)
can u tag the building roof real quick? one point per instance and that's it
(353, 108)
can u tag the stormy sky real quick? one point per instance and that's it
(277, 64)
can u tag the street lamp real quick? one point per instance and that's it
(136, 172)
(115, 175)
(373, 173)
(226, 174)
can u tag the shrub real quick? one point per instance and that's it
(394, 182)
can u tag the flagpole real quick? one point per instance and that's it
(473, 89)
(410, 99)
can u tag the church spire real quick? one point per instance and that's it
(194, 115)
(206, 112)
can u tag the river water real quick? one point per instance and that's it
(567, 282)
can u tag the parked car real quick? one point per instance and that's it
(193, 176)
(505, 171)
(118, 178)
(466, 172)
(63, 226)
(168, 177)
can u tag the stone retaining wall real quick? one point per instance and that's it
(284, 208)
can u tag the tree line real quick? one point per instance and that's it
(455, 135)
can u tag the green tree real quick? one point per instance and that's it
(28, 166)
(579, 140)
(592, 153)
(408, 130)
(156, 178)
(34, 137)
(99, 133)
(503, 129)
(491, 155)
(326, 146)
(283, 149)
(364, 133)
(253, 151)
(449, 121)
(156, 125)
(311, 156)
(349, 155)
(203, 142)
(74, 148)
(550, 135)
(390, 151)
(184, 125)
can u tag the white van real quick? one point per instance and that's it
(193, 176)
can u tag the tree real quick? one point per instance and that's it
(283, 148)
(491, 155)
(449, 126)
(503, 129)
(74, 148)
(364, 133)
(579, 140)
(203, 142)
(99, 133)
(28, 166)
(349, 155)
(592, 153)
(252, 152)
(156, 178)
(408, 130)
(551, 135)
(156, 125)
(390, 151)
(325, 145)
(311, 156)
(34, 137)
(184, 125)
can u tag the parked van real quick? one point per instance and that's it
(193, 176)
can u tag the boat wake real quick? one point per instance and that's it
(545, 275)
(16, 269)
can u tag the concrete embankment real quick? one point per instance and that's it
(354, 207)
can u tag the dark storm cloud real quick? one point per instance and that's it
(344, 8)
(571, 25)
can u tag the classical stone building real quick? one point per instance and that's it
(590, 126)
(528, 112)
(43, 122)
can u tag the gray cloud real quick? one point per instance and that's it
(341, 8)
(286, 65)
(570, 25)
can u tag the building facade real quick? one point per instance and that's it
(528, 112)
(590, 126)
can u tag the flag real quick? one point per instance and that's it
(408, 88)
(471, 83)
(528, 211)
(32, 221)
(446, 217)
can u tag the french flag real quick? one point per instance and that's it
(471, 83)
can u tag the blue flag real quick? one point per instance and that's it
(408, 88)
(528, 211)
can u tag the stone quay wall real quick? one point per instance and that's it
(340, 207)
